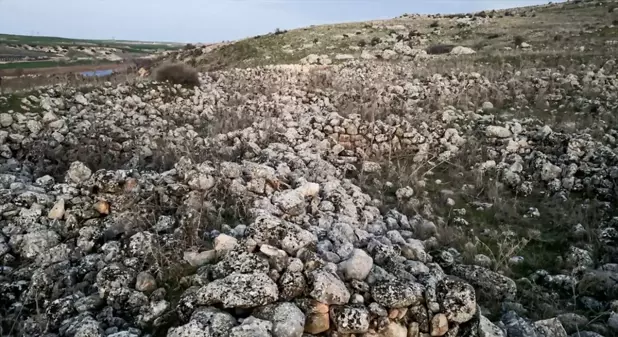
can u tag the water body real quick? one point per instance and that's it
(97, 73)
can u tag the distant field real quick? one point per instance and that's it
(51, 40)
(48, 64)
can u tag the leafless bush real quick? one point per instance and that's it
(319, 79)
(177, 73)
(518, 40)
(439, 49)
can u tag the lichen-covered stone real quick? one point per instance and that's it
(397, 294)
(239, 291)
(350, 319)
(457, 300)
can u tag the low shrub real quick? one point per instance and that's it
(435, 24)
(518, 40)
(439, 49)
(177, 73)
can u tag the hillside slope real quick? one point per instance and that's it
(296, 193)
(579, 29)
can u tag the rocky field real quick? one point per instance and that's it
(412, 195)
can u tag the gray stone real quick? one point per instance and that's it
(573, 322)
(487, 106)
(206, 322)
(612, 321)
(460, 50)
(252, 327)
(350, 319)
(286, 318)
(457, 300)
(397, 294)
(145, 282)
(199, 259)
(497, 132)
(78, 172)
(550, 171)
(239, 291)
(357, 266)
(488, 329)
(550, 328)
(34, 244)
(519, 327)
(490, 283)
(328, 288)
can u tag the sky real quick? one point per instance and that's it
(205, 21)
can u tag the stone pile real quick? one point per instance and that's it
(254, 229)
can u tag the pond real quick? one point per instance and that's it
(97, 73)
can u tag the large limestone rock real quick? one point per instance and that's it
(457, 300)
(328, 288)
(350, 319)
(461, 50)
(397, 294)
(490, 283)
(206, 322)
(286, 318)
(357, 266)
(239, 291)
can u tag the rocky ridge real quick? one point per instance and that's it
(230, 209)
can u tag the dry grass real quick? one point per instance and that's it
(177, 73)
(489, 32)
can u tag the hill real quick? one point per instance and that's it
(578, 29)
(421, 176)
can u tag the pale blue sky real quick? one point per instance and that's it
(208, 20)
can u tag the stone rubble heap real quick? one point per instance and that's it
(124, 251)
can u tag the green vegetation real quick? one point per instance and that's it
(488, 33)
(51, 41)
(49, 64)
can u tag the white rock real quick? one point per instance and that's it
(79, 98)
(551, 327)
(224, 243)
(489, 329)
(366, 55)
(309, 189)
(328, 288)
(344, 57)
(371, 167)
(389, 54)
(6, 120)
(199, 259)
(239, 291)
(404, 193)
(487, 106)
(290, 201)
(78, 172)
(460, 50)
(498, 131)
(550, 171)
(357, 266)
(57, 212)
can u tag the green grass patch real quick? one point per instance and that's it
(49, 64)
